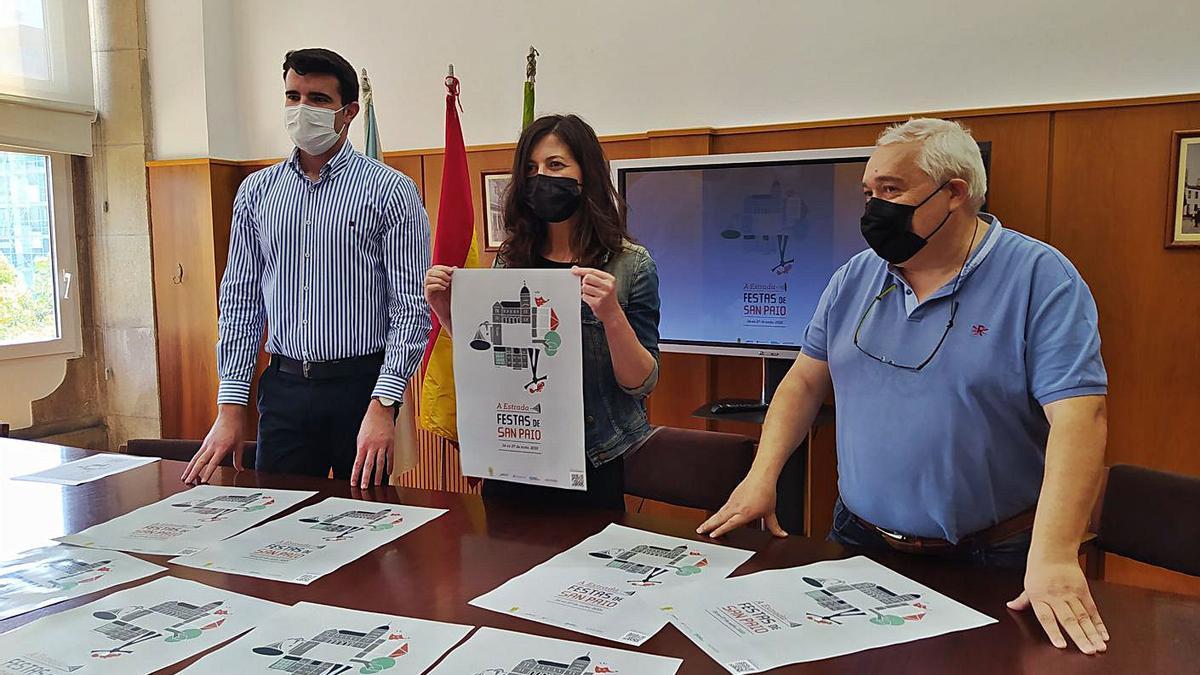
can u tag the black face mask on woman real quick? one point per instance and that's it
(887, 227)
(553, 198)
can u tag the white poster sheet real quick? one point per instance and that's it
(323, 640)
(607, 585)
(188, 521)
(518, 363)
(492, 651)
(132, 632)
(88, 469)
(45, 576)
(753, 623)
(312, 542)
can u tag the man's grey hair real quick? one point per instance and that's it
(947, 150)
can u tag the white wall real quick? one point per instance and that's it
(175, 61)
(635, 65)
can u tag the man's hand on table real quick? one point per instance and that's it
(224, 437)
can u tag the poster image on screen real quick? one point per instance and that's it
(751, 246)
(745, 244)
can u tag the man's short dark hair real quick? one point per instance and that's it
(316, 60)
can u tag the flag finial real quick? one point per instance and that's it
(531, 64)
(366, 85)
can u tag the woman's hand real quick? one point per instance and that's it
(437, 292)
(599, 290)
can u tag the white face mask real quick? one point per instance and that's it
(311, 128)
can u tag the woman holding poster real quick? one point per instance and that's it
(562, 211)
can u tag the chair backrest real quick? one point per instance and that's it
(184, 450)
(1153, 517)
(688, 467)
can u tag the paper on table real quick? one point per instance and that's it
(132, 632)
(491, 651)
(312, 542)
(761, 621)
(607, 585)
(88, 469)
(519, 383)
(189, 521)
(323, 640)
(48, 575)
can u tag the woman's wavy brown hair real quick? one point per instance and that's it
(600, 231)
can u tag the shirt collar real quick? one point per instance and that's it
(985, 247)
(332, 167)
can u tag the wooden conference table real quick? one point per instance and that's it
(433, 572)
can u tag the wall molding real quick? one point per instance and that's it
(759, 128)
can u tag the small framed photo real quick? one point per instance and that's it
(1183, 222)
(495, 186)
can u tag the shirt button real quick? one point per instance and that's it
(908, 292)
(304, 322)
(590, 419)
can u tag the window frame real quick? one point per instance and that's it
(64, 255)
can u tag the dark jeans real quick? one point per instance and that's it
(1010, 553)
(606, 490)
(310, 426)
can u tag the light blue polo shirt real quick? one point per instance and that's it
(960, 445)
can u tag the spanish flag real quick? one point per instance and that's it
(453, 244)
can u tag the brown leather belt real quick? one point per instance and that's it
(1002, 530)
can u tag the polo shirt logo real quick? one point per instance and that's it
(979, 330)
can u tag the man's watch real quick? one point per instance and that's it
(386, 402)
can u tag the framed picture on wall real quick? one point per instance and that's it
(495, 185)
(1183, 222)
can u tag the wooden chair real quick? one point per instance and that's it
(184, 450)
(1149, 516)
(688, 467)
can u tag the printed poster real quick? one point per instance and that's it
(132, 632)
(753, 623)
(88, 469)
(45, 576)
(607, 585)
(188, 521)
(492, 651)
(519, 375)
(312, 542)
(323, 640)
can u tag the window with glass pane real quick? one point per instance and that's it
(28, 304)
(24, 40)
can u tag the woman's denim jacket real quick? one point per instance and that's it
(615, 416)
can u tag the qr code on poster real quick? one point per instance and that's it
(633, 637)
(577, 479)
(742, 667)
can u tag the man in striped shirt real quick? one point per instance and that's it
(327, 248)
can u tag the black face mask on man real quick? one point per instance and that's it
(553, 198)
(887, 227)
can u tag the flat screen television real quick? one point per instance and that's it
(745, 243)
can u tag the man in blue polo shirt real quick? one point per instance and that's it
(965, 361)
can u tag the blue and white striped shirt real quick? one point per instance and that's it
(333, 267)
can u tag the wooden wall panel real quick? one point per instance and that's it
(181, 216)
(1109, 191)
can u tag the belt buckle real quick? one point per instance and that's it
(895, 536)
(307, 369)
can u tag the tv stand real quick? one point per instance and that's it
(792, 492)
